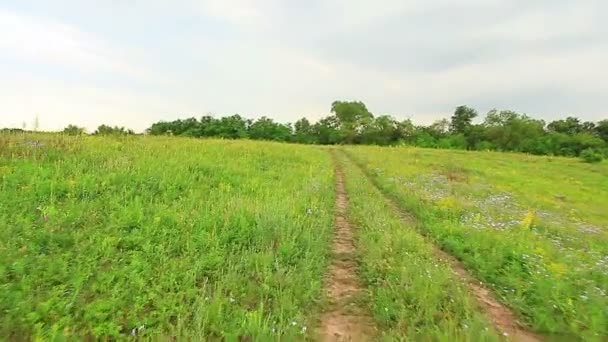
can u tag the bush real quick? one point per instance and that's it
(592, 156)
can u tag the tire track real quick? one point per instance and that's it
(343, 320)
(501, 317)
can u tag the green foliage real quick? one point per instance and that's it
(303, 132)
(353, 123)
(266, 129)
(570, 126)
(74, 130)
(352, 117)
(601, 130)
(108, 130)
(592, 156)
(462, 119)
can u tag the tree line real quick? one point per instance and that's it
(351, 122)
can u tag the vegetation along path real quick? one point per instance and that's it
(502, 318)
(343, 320)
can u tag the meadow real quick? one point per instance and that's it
(169, 237)
(533, 228)
(161, 237)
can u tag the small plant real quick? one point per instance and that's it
(591, 156)
(528, 219)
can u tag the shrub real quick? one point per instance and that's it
(592, 156)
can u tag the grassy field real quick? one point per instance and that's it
(534, 228)
(176, 237)
(411, 294)
(207, 239)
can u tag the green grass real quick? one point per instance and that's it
(103, 237)
(534, 228)
(412, 295)
(183, 237)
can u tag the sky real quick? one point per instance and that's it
(134, 62)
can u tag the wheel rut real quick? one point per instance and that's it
(343, 320)
(501, 317)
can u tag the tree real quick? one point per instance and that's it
(511, 131)
(570, 126)
(462, 119)
(327, 131)
(601, 129)
(384, 130)
(108, 130)
(439, 128)
(352, 116)
(74, 130)
(303, 132)
(231, 127)
(266, 129)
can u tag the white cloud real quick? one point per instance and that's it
(44, 41)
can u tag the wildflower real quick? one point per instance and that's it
(303, 329)
(294, 323)
(232, 300)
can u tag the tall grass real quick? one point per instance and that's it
(110, 237)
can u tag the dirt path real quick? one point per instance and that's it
(501, 317)
(343, 320)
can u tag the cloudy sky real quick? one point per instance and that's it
(134, 62)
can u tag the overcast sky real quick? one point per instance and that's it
(132, 62)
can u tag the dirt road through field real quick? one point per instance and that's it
(501, 317)
(344, 320)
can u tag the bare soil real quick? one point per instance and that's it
(344, 320)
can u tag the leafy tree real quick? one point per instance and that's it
(352, 116)
(570, 126)
(406, 130)
(462, 119)
(232, 127)
(108, 130)
(160, 128)
(439, 128)
(328, 131)
(424, 139)
(380, 131)
(601, 129)
(266, 129)
(511, 131)
(74, 130)
(303, 132)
